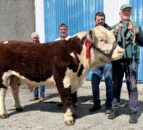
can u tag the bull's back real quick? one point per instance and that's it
(28, 59)
(33, 61)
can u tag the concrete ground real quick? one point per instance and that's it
(47, 116)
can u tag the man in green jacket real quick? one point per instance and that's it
(129, 36)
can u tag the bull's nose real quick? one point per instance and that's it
(121, 50)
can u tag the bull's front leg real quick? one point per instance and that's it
(68, 107)
(3, 113)
(66, 98)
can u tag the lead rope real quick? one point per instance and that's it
(123, 41)
(133, 49)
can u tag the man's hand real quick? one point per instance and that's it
(120, 25)
(131, 26)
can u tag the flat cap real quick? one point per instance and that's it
(125, 6)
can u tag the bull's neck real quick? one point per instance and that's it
(95, 58)
(86, 62)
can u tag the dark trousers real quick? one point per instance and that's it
(74, 97)
(131, 70)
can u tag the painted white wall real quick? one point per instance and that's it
(111, 10)
(39, 19)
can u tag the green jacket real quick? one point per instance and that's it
(125, 40)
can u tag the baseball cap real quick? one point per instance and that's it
(125, 6)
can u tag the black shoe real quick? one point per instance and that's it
(59, 104)
(41, 99)
(113, 114)
(108, 111)
(75, 105)
(94, 108)
(34, 98)
(133, 118)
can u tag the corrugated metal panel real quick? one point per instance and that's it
(138, 18)
(77, 14)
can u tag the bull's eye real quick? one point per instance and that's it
(107, 51)
(106, 41)
(101, 40)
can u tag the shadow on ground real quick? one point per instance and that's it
(85, 102)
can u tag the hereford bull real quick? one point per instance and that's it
(62, 63)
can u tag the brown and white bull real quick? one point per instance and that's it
(60, 63)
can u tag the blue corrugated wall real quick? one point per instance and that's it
(138, 17)
(77, 14)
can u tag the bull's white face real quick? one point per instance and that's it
(104, 40)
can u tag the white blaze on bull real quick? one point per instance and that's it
(5, 42)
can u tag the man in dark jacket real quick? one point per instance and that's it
(98, 72)
(129, 36)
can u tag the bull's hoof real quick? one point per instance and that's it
(69, 123)
(20, 109)
(3, 116)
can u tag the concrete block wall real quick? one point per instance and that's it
(17, 19)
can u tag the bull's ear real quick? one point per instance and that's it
(90, 35)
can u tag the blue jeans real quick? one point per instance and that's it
(98, 72)
(42, 91)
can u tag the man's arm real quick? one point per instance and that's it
(139, 37)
